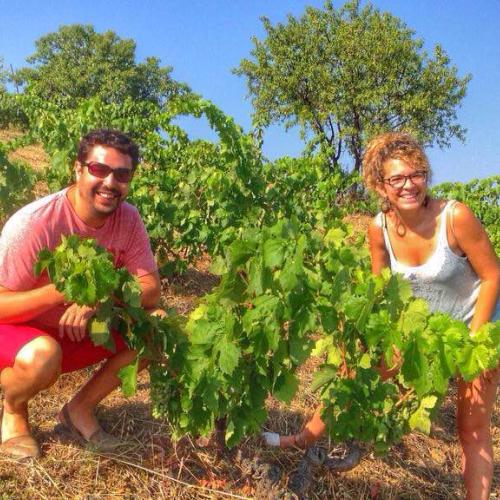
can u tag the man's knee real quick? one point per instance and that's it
(40, 361)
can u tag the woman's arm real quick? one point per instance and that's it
(379, 255)
(475, 244)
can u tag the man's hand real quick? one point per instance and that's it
(74, 321)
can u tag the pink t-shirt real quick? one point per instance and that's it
(41, 224)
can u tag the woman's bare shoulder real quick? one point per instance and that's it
(375, 232)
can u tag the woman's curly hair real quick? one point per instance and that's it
(392, 146)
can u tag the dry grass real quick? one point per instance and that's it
(155, 467)
(34, 155)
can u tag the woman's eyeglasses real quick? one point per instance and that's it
(398, 181)
(101, 170)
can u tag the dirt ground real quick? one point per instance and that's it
(156, 467)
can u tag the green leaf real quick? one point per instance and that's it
(128, 377)
(473, 360)
(44, 258)
(335, 236)
(218, 266)
(272, 332)
(398, 292)
(354, 306)
(303, 322)
(288, 278)
(420, 419)
(229, 356)
(323, 377)
(273, 253)
(132, 293)
(300, 349)
(100, 334)
(239, 252)
(415, 316)
(329, 318)
(414, 363)
(321, 345)
(365, 361)
(286, 387)
(203, 332)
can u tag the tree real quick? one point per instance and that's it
(77, 62)
(3, 77)
(343, 75)
(7, 108)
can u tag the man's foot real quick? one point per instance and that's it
(17, 441)
(14, 422)
(96, 440)
(81, 420)
(20, 447)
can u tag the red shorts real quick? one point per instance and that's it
(75, 355)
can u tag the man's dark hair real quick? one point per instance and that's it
(110, 138)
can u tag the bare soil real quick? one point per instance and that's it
(156, 467)
(34, 155)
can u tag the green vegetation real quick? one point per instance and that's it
(245, 341)
(291, 287)
(76, 63)
(16, 185)
(344, 75)
(3, 77)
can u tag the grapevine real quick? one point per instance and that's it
(16, 183)
(248, 337)
(85, 274)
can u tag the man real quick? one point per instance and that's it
(41, 336)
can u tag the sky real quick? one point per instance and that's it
(204, 40)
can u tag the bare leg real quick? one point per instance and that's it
(315, 428)
(36, 367)
(81, 407)
(311, 432)
(474, 408)
(105, 380)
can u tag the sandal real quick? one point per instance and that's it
(100, 441)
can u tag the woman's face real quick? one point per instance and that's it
(403, 185)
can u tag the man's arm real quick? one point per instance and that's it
(150, 284)
(19, 306)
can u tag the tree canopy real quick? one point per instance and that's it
(77, 62)
(343, 75)
(3, 76)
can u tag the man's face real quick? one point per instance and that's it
(101, 196)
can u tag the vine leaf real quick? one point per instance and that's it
(128, 377)
(420, 419)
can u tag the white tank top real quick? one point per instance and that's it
(446, 280)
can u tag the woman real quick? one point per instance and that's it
(444, 251)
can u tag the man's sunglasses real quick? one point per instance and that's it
(101, 170)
